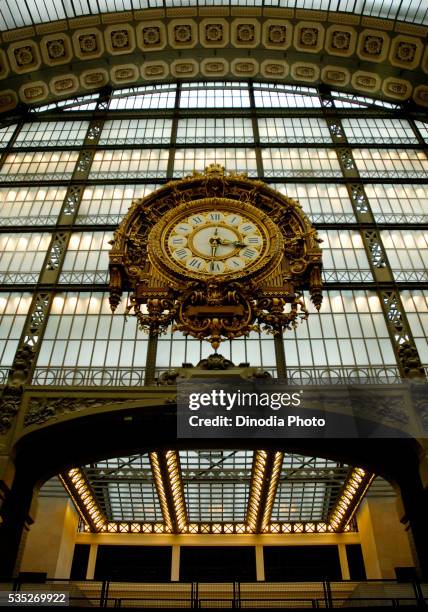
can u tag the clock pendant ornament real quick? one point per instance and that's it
(217, 256)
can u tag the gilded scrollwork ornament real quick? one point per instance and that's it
(216, 256)
(215, 311)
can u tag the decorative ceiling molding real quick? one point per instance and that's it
(360, 54)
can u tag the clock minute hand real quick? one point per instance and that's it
(225, 242)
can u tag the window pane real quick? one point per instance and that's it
(415, 302)
(86, 260)
(407, 251)
(344, 256)
(391, 163)
(423, 129)
(52, 165)
(300, 162)
(323, 203)
(85, 344)
(109, 203)
(308, 488)
(285, 96)
(6, 134)
(215, 130)
(162, 96)
(214, 95)
(22, 257)
(220, 492)
(234, 160)
(31, 205)
(130, 163)
(398, 203)
(13, 311)
(136, 131)
(348, 320)
(52, 133)
(386, 131)
(130, 492)
(293, 129)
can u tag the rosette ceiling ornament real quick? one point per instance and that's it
(217, 256)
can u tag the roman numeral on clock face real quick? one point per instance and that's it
(249, 253)
(253, 240)
(215, 266)
(181, 253)
(183, 228)
(178, 240)
(235, 263)
(247, 228)
(215, 216)
(195, 263)
(197, 220)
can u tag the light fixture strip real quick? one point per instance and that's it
(257, 487)
(274, 476)
(158, 477)
(352, 494)
(83, 498)
(176, 489)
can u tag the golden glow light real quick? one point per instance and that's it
(273, 485)
(81, 494)
(160, 488)
(259, 472)
(176, 488)
(353, 492)
(264, 483)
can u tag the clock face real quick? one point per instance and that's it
(210, 238)
(215, 242)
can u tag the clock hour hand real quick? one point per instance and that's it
(214, 242)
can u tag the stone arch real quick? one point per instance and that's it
(50, 449)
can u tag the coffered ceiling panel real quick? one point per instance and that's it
(72, 47)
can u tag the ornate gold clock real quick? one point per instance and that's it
(215, 237)
(217, 256)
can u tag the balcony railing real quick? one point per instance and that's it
(152, 594)
(131, 377)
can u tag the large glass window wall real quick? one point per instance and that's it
(138, 151)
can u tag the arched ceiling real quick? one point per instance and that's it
(368, 51)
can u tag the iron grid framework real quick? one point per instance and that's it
(358, 167)
(59, 206)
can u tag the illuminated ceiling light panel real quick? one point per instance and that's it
(82, 496)
(353, 493)
(294, 478)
